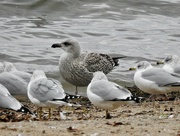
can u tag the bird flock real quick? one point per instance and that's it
(84, 69)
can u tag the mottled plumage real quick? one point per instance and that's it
(77, 68)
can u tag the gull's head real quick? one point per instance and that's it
(98, 76)
(37, 74)
(143, 65)
(8, 66)
(70, 46)
(171, 59)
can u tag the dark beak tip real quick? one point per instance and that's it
(55, 45)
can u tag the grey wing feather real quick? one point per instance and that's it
(46, 89)
(7, 100)
(177, 69)
(109, 90)
(14, 84)
(3, 91)
(23, 75)
(159, 76)
(57, 82)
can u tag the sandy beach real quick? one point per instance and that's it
(137, 120)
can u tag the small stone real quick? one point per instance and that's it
(43, 131)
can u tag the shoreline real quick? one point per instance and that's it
(140, 119)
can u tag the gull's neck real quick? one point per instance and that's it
(76, 51)
(98, 77)
(147, 68)
(37, 77)
(168, 68)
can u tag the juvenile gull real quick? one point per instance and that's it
(7, 101)
(108, 95)
(46, 92)
(77, 68)
(9, 67)
(171, 64)
(155, 80)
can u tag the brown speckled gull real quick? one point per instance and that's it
(77, 68)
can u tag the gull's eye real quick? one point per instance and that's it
(168, 59)
(139, 66)
(67, 43)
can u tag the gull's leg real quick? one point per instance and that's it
(108, 116)
(153, 98)
(175, 102)
(154, 103)
(76, 92)
(59, 109)
(40, 112)
(49, 113)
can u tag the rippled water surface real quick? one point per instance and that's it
(139, 30)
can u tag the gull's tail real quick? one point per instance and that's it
(131, 98)
(174, 84)
(70, 97)
(25, 110)
(116, 57)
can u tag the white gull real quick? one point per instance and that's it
(108, 95)
(46, 92)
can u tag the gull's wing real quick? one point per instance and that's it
(3, 91)
(23, 75)
(14, 84)
(177, 69)
(108, 90)
(98, 62)
(46, 89)
(7, 100)
(159, 76)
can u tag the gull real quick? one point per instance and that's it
(171, 64)
(46, 92)
(77, 68)
(14, 84)
(154, 80)
(7, 101)
(9, 67)
(108, 95)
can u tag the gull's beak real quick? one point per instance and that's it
(160, 62)
(56, 45)
(132, 68)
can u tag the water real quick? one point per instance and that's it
(139, 30)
